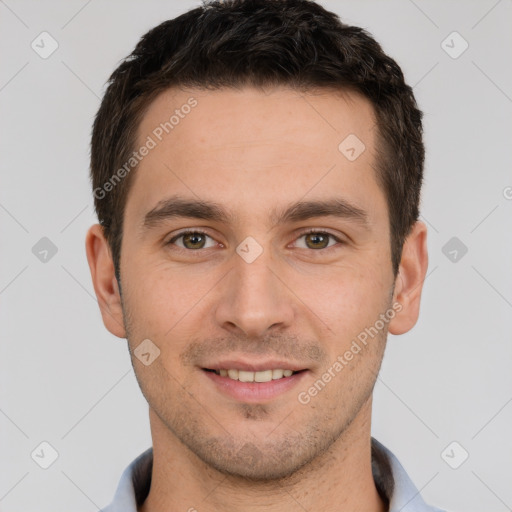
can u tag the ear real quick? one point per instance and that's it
(104, 280)
(409, 280)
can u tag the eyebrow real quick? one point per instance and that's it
(179, 207)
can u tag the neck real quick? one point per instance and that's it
(339, 480)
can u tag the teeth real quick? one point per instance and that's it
(245, 376)
(262, 376)
(233, 374)
(277, 374)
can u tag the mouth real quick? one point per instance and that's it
(249, 386)
(248, 376)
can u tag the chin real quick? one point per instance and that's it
(258, 464)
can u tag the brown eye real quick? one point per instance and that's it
(194, 240)
(191, 240)
(317, 240)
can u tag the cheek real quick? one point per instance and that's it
(160, 295)
(164, 305)
(348, 300)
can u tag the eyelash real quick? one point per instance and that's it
(301, 234)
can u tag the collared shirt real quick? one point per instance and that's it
(391, 480)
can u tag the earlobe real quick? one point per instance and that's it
(104, 280)
(409, 280)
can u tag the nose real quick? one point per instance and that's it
(254, 298)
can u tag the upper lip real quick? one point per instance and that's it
(238, 364)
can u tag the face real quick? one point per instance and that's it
(281, 263)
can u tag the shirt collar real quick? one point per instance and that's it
(391, 480)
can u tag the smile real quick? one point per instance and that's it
(248, 376)
(254, 386)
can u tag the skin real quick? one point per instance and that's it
(252, 151)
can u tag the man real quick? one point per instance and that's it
(256, 167)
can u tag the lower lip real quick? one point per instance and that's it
(254, 392)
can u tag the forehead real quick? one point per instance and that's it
(279, 143)
(314, 119)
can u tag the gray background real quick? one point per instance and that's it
(65, 380)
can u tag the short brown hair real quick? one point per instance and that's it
(232, 43)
